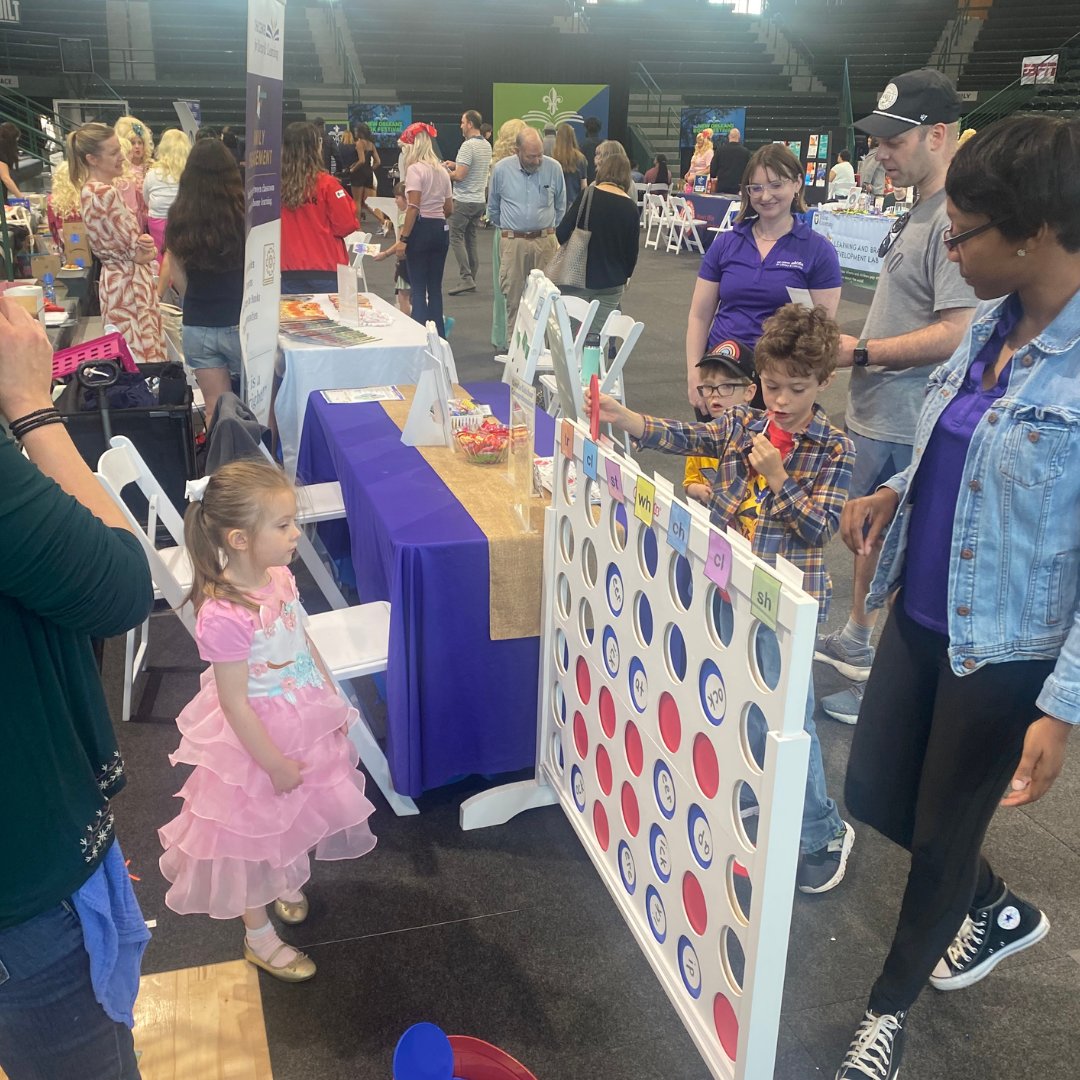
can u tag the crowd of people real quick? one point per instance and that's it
(952, 483)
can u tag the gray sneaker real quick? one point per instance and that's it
(844, 706)
(462, 287)
(852, 661)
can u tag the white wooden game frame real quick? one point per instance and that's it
(724, 908)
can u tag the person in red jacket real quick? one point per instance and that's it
(316, 214)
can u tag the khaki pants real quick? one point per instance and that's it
(517, 259)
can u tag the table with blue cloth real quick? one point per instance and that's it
(710, 209)
(457, 701)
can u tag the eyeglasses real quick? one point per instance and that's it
(893, 234)
(775, 187)
(953, 242)
(720, 390)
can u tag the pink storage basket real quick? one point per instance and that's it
(110, 347)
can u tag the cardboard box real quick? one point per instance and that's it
(40, 265)
(76, 244)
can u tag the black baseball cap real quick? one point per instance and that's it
(735, 357)
(926, 96)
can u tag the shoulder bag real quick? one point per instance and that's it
(567, 266)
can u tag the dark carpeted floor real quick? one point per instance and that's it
(508, 933)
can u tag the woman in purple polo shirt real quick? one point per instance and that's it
(746, 273)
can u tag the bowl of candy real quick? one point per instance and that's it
(486, 443)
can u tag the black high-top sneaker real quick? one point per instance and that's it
(987, 936)
(876, 1049)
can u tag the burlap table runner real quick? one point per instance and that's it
(515, 558)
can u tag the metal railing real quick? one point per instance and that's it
(338, 25)
(664, 113)
(26, 115)
(1009, 98)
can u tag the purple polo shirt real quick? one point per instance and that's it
(751, 289)
(937, 483)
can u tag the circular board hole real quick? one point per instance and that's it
(616, 591)
(584, 680)
(558, 704)
(720, 618)
(635, 753)
(670, 724)
(697, 911)
(765, 661)
(706, 765)
(648, 552)
(593, 509)
(675, 653)
(643, 621)
(631, 813)
(603, 770)
(682, 582)
(607, 712)
(558, 762)
(562, 652)
(588, 561)
(755, 729)
(732, 958)
(586, 626)
(568, 480)
(727, 1025)
(581, 736)
(747, 813)
(566, 540)
(562, 595)
(740, 891)
(600, 826)
(618, 525)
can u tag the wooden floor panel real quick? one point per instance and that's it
(204, 1022)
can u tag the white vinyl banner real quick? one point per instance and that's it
(262, 263)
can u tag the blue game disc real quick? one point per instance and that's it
(661, 857)
(701, 841)
(611, 652)
(627, 869)
(689, 967)
(712, 692)
(577, 786)
(639, 685)
(664, 789)
(654, 909)
(616, 593)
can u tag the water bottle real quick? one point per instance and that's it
(590, 357)
(49, 288)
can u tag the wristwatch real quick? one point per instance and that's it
(861, 356)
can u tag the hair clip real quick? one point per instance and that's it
(194, 490)
(137, 128)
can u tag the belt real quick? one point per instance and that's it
(509, 234)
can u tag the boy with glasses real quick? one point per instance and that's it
(781, 479)
(727, 378)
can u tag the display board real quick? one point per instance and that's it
(680, 768)
(387, 122)
(856, 238)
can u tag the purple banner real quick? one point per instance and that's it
(263, 159)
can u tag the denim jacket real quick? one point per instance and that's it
(1013, 581)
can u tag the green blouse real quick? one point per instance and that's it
(64, 578)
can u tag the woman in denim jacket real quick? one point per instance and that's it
(976, 685)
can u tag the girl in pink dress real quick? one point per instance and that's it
(275, 775)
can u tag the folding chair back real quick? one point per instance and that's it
(440, 347)
(727, 223)
(580, 311)
(527, 340)
(655, 217)
(170, 568)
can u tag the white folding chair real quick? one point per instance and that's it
(655, 218)
(682, 219)
(170, 567)
(527, 339)
(624, 330)
(352, 641)
(315, 503)
(580, 311)
(440, 348)
(727, 222)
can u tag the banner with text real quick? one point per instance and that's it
(262, 259)
(1039, 69)
(387, 122)
(539, 104)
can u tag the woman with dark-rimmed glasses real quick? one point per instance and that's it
(976, 684)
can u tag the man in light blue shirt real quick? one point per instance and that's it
(526, 200)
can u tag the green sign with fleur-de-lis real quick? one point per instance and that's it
(540, 104)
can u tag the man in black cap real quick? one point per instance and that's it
(920, 312)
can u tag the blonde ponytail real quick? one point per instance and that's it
(235, 498)
(84, 140)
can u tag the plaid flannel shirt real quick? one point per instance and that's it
(797, 522)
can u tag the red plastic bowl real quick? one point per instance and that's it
(475, 1059)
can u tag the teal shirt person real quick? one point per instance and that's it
(65, 578)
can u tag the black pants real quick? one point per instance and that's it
(931, 758)
(425, 257)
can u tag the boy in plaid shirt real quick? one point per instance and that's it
(782, 479)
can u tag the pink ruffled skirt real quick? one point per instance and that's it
(237, 844)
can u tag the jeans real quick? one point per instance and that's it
(425, 257)
(51, 1026)
(932, 754)
(821, 820)
(464, 224)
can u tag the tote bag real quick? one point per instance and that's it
(567, 266)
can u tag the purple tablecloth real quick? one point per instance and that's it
(457, 702)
